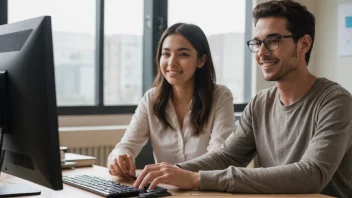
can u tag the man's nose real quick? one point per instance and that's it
(263, 51)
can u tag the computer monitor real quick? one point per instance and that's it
(28, 110)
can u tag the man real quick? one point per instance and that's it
(300, 129)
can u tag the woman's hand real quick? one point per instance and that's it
(164, 173)
(122, 166)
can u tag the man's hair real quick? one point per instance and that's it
(299, 20)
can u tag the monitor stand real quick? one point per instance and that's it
(13, 190)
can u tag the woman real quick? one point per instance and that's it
(186, 114)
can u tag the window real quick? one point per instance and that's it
(223, 22)
(73, 41)
(123, 47)
(104, 50)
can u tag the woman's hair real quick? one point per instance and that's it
(299, 20)
(204, 82)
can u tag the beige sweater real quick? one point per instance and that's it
(302, 148)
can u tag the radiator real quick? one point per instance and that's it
(96, 141)
(100, 152)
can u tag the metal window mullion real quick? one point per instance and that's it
(147, 46)
(155, 22)
(3, 12)
(247, 54)
(99, 55)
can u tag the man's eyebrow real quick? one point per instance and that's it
(272, 34)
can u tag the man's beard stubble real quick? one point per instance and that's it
(284, 71)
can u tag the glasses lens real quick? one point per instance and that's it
(254, 45)
(272, 42)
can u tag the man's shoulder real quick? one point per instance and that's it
(330, 88)
(266, 94)
(264, 98)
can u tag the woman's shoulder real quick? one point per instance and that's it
(221, 89)
(150, 92)
(149, 95)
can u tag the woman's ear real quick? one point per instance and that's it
(202, 61)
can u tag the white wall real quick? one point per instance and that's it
(344, 69)
(327, 61)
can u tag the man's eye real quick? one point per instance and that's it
(272, 40)
(254, 43)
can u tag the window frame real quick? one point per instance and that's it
(155, 22)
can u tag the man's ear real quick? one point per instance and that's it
(202, 61)
(306, 43)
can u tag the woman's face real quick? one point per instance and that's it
(179, 61)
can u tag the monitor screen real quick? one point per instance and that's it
(28, 110)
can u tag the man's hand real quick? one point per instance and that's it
(122, 166)
(164, 173)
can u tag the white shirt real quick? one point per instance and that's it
(177, 145)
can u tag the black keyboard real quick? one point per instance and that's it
(108, 188)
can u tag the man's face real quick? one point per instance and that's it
(276, 64)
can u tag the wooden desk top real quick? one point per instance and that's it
(70, 191)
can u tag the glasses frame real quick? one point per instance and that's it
(263, 41)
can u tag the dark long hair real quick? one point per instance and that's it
(299, 20)
(204, 82)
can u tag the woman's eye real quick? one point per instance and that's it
(165, 54)
(183, 54)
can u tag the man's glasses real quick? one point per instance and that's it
(271, 43)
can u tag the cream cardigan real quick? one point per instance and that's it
(177, 145)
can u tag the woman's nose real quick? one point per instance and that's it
(172, 61)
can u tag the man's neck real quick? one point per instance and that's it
(293, 88)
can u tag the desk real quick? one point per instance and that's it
(70, 191)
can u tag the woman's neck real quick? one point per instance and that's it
(182, 95)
